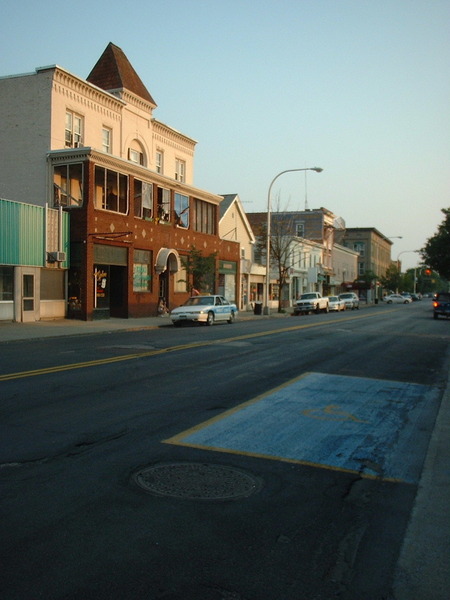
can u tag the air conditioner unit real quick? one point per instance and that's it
(56, 256)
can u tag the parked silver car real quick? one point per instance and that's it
(397, 299)
(351, 300)
(336, 303)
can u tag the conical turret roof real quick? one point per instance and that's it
(113, 71)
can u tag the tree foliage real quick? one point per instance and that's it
(436, 252)
(200, 270)
(393, 279)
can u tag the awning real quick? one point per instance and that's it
(167, 258)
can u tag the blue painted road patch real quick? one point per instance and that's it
(369, 426)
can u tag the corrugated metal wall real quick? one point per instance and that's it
(22, 234)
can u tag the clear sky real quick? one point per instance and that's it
(360, 88)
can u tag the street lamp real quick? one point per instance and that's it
(398, 262)
(266, 294)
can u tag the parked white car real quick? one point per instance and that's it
(336, 303)
(204, 309)
(397, 299)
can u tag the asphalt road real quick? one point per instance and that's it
(283, 457)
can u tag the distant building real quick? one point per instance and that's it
(93, 148)
(313, 233)
(374, 254)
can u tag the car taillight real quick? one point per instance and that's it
(435, 304)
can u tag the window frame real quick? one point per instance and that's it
(143, 201)
(122, 187)
(107, 144)
(159, 162)
(205, 217)
(163, 204)
(180, 170)
(181, 207)
(142, 271)
(73, 129)
(63, 196)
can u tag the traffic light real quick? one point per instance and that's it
(428, 272)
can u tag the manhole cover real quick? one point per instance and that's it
(197, 481)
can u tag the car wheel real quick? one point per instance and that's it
(389, 301)
(406, 302)
(232, 317)
(210, 318)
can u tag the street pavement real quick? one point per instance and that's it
(423, 569)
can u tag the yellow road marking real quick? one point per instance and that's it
(332, 412)
(136, 355)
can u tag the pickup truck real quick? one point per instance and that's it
(311, 302)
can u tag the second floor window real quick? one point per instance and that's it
(73, 130)
(143, 199)
(163, 201)
(68, 185)
(180, 171)
(111, 190)
(181, 210)
(205, 217)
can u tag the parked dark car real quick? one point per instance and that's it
(441, 305)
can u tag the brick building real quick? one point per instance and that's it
(93, 147)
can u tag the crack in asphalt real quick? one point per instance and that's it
(73, 450)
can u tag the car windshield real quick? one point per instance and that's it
(333, 298)
(443, 297)
(307, 296)
(346, 296)
(199, 301)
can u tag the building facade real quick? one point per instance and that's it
(313, 234)
(374, 257)
(34, 253)
(93, 147)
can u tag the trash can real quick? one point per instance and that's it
(257, 309)
(376, 300)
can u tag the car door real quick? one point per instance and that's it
(226, 308)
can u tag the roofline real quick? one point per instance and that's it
(238, 202)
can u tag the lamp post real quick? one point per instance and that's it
(398, 261)
(266, 294)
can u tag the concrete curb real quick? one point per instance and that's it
(423, 569)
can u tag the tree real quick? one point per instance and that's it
(281, 248)
(200, 270)
(393, 279)
(436, 252)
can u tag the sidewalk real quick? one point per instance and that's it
(423, 569)
(10, 331)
